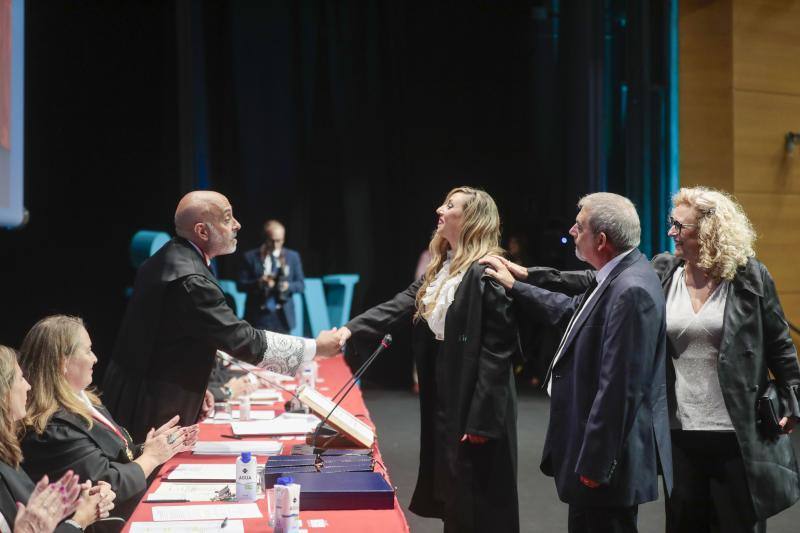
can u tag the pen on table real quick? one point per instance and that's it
(224, 523)
(237, 437)
(167, 501)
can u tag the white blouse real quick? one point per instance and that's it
(696, 337)
(438, 297)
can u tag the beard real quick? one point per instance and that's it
(218, 244)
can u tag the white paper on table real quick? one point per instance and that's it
(281, 425)
(266, 395)
(231, 526)
(256, 447)
(204, 472)
(225, 418)
(206, 512)
(194, 492)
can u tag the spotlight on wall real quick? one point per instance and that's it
(792, 140)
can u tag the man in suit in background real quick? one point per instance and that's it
(178, 318)
(270, 275)
(608, 434)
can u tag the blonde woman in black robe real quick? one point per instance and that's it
(464, 335)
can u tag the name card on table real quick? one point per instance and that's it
(231, 526)
(206, 512)
(256, 447)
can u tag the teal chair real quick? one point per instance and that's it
(339, 297)
(145, 243)
(299, 315)
(316, 308)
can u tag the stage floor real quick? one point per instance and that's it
(396, 415)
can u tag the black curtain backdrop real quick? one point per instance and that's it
(348, 121)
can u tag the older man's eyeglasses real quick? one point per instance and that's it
(672, 223)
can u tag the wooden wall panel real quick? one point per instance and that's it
(776, 218)
(766, 45)
(791, 308)
(706, 98)
(761, 121)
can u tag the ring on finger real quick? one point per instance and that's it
(171, 438)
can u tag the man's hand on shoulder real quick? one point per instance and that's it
(503, 270)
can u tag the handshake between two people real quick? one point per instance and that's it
(331, 341)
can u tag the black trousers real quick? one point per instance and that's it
(602, 519)
(710, 492)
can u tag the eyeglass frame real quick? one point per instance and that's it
(672, 223)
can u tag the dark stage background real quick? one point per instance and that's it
(349, 121)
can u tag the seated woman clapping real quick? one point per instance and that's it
(67, 426)
(25, 508)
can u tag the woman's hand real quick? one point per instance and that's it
(168, 425)
(163, 447)
(88, 510)
(48, 505)
(107, 497)
(787, 423)
(241, 386)
(474, 439)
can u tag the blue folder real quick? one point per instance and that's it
(344, 490)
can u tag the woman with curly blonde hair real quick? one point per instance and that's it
(726, 332)
(464, 338)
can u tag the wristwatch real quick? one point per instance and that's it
(226, 391)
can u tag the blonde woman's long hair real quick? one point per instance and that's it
(724, 232)
(44, 352)
(10, 452)
(480, 235)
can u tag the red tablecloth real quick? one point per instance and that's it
(335, 373)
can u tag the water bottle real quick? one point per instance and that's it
(308, 375)
(246, 478)
(244, 408)
(287, 506)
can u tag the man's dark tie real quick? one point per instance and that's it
(584, 297)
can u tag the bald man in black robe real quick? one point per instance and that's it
(178, 318)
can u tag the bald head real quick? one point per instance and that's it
(206, 219)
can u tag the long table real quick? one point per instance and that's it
(333, 374)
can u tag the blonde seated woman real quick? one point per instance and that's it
(464, 337)
(67, 426)
(45, 507)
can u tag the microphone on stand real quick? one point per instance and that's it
(386, 342)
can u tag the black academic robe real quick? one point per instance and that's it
(176, 320)
(466, 386)
(16, 486)
(98, 454)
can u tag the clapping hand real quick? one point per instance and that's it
(48, 504)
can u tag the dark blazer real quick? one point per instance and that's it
(608, 413)
(755, 340)
(16, 486)
(97, 454)
(251, 271)
(176, 320)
